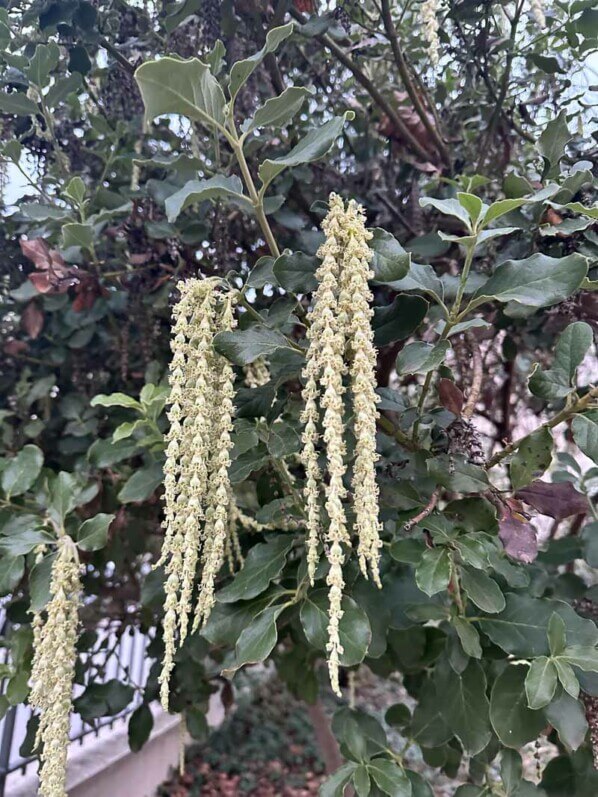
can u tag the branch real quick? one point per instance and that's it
(428, 509)
(407, 82)
(369, 86)
(478, 376)
(126, 65)
(390, 429)
(579, 406)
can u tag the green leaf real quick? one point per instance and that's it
(313, 146)
(511, 769)
(115, 400)
(500, 208)
(197, 724)
(75, 190)
(567, 716)
(390, 262)
(278, 111)
(355, 632)
(17, 103)
(532, 458)
(93, 533)
(448, 207)
(434, 571)
(521, 629)
(63, 496)
(540, 682)
(585, 434)
(23, 542)
(296, 272)
(567, 677)
(44, 60)
(389, 777)
(244, 346)
(142, 484)
(472, 204)
(551, 145)
(420, 357)
(577, 207)
(39, 582)
(257, 640)
(582, 656)
(22, 470)
(464, 705)
(182, 87)
(227, 620)
(557, 634)
(11, 572)
(264, 563)
(217, 187)
(398, 320)
(538, 281)
(468, 636)
(571, 347)
(361, 781)
(61, 89)
(482, 590)
(77, 235)
(419, 786)
(140, 727)
(334, 786)
(513, 721)
(241, 70)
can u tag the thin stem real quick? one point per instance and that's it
(572, 409)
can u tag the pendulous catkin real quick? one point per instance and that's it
(538, 14)
(429, 19)
(341, 343)
(197, 491)
(53, 668)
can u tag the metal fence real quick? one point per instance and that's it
(117, 654)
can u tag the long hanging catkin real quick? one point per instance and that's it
(429, 10)
(197, 490)
(53, 668)
(341, 342)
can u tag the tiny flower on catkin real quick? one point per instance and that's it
(197, 490)
(341, 341)
(53, 668)
(429, 19)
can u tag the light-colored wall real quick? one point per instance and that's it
(104, 766)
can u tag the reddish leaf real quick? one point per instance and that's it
(450, 396)
(32, 320)
(518, 537)
(559, 500)
(37, 250)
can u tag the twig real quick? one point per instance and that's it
(369, 86)
(579, 406)
(408, 83)
(427, 510)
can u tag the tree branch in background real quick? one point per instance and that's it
(408, 83)
(407, 136)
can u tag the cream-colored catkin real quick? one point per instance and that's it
(341, 340)
(356, 314)
(538, 14)
(53, 668)
(429, 11)
(197, 490)
(324, 338)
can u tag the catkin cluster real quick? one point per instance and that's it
(53, 668)
(429, 19)
(197, 490)
(341, 344)
(538, 14)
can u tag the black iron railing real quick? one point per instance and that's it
(118, 654)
